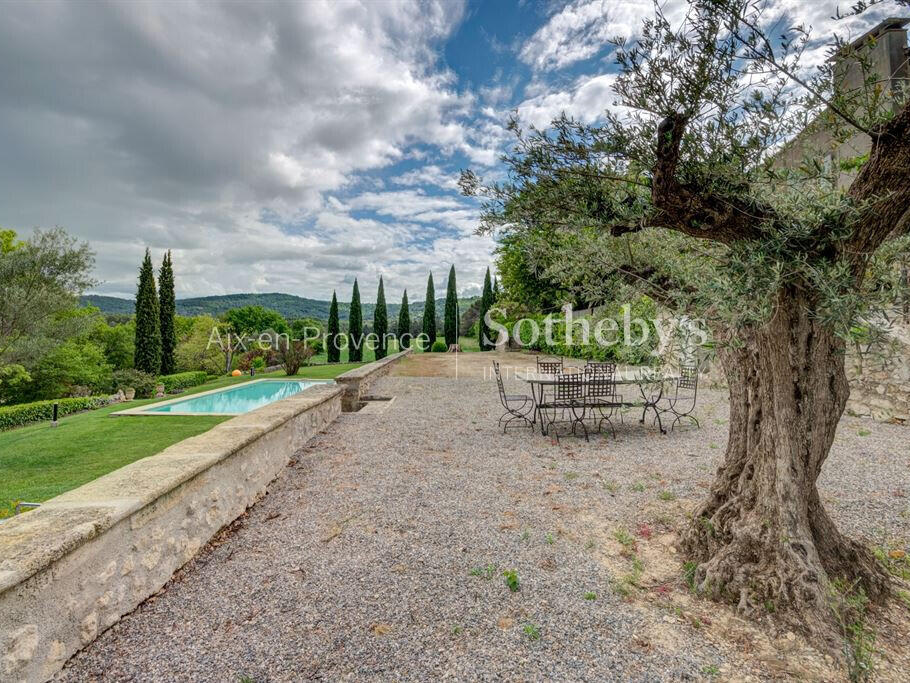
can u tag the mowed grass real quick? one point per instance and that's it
(39, 462)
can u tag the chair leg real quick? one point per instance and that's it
(660, 423)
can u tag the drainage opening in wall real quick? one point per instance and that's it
(373, 404)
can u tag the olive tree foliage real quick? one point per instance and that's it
(679, 193)
(41, 279)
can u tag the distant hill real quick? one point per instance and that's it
(289, 305)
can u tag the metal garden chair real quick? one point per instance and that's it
(569, 394)
(601, 394)
(609, 369)
(682, 403)
(518, 406)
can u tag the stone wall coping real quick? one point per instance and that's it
(368, 369)
(36, 539)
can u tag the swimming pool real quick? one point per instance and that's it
(229, 401)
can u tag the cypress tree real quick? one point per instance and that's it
(404, 323)
(429, 315)
(148, 330)
(486, 300)
(333, 346)
(381, 322)
(355, 327)
(167, 311)
(495, 288)
(450, 325)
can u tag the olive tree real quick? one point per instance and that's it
(679, 191)
(41, 279)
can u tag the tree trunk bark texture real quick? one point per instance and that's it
(763, 539)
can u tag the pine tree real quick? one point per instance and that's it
(381, 322)
(486, 300)
(355, 327)
(148, 330)
(167, 312)
(429, 315)
(450, 325)
(333, 346)
(404, 323)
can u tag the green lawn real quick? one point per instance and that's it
(38, 462)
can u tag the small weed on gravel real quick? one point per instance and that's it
(625, 586)
(666, 496)
(689, 574)
(849, 605)
(863, 432)
(511, 578)
(637, 487)
(625, 538)
(611, 487)
(532, 631)
(590, 596)
(487, 572)
(569, 476)
(893, 559)
(904, 597)
(549, 539)
(710, 670)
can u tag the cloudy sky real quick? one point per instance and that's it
(291, 146)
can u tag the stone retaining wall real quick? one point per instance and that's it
(879, 388)
(73, 567)
(356, 383)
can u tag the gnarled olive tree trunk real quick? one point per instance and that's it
(763, 539)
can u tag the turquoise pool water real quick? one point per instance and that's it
(239, 399)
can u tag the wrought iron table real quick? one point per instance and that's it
(640, 377)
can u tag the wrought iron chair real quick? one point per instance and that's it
(682, 403)
(609, 369)
(569, 394)
(601, 394)
(549, 365)
(518, 406)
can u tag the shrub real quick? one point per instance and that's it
(439, 345)
(69, 367)
(14, 381)
(194, 350)
(294, 355)
(26, 413)
(182, 380)
(142, 382)
(259, 359)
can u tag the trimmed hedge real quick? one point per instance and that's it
(182, 380)
(39, 411)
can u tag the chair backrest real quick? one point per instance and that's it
(570, 387)
(600, 384)
(599, 368)
(688, 377)
(502, 389)
(549, 366)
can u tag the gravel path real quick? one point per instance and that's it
(380, 554)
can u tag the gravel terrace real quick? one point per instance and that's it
(380, 553)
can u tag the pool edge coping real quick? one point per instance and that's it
(141, 410)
